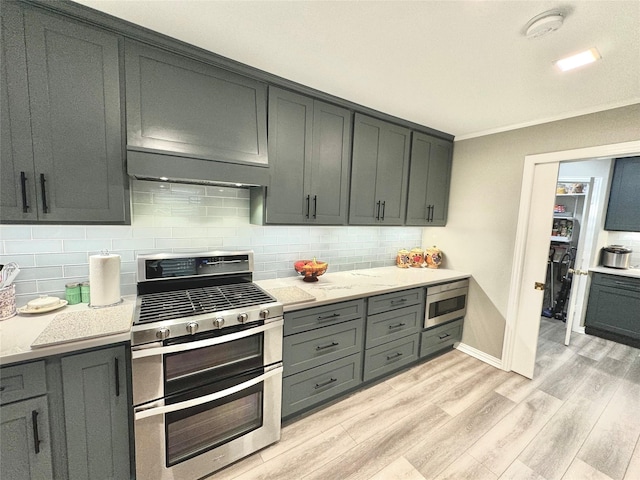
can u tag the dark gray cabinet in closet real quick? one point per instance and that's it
(380, 166)
(64, 156)
(429, 179)
(309, 153)
(623, 212)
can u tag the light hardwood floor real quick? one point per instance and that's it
(456, 417)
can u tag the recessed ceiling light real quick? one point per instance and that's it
(578, 60)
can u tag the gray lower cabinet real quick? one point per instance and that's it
(309, 153)
(429, 179)
(25, 440)
(379, 172)
(612, 308)
(322, 354)
(96, 412)
(62, 153)
(440, 337)
(394, 321)
(623, 212)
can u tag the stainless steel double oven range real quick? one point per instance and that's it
(207, 364)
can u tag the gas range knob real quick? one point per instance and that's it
(162, 333)
(192, 327)
(218, 322)
(264, 313)
(243, 317)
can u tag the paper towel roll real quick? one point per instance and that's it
(104, 279)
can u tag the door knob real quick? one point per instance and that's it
(578, 272)
(539, 286)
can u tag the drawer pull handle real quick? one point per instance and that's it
(43, 191)
(395, 355)
(396, 302)
(23, 186)
(324, 384)
(396, 325)
(117, 369)
(442, 337)
(2, 389)
(328, 345)
(628, 285)
(328, 317)
(36, 436)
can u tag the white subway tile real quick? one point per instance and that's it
(109, 231)
(28, 260)
(76, 271)
(51, 259)
(32, 246)
(58, 232)
(12, 232)
(86, 245)
(30, 273)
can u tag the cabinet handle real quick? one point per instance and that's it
(324, 384)
(378, 210)
(395, 355)
(315, 205)
(43, 189)
(382, 216)
(627, 285)
(308, 199)
(328, 317)
(328, 345)
(23, 186)
(36, 436)
(442, 337)
(396, 325)
(117, 367)
(398, 302)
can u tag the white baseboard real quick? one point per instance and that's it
(474, 352)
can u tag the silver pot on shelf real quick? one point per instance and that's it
(615, 256)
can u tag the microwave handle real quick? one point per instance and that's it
(144, 351)
(158, 409)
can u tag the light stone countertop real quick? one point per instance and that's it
(342, 286)
(629, 272)
(19, 332)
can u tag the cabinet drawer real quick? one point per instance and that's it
(390, 356)
(308, 319)
(617, 281)
(316, 347)
(316, 385)
(393, 300)
(440, 337)
(392, 325)
(22, 381)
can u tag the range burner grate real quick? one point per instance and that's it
(171, 305)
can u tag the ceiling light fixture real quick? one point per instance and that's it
(544, 24)
(578, 60)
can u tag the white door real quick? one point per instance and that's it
(538, 231)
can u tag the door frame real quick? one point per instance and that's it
(513, 323)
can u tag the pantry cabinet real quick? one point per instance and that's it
(429, 179)
(380, 168)
(61, 121)
(309, 156)
(623, 212)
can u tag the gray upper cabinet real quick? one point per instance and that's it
(75, 172)
(623, 212)
(380, 167)
(186, 108)
(96, 411)
(429, 179)
(309, 145)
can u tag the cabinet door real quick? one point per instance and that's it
(74, 90)
(380, 166)
(290, 133)
(429, 179)
(96, 414)
(25, 445)
(623, 212)
(188, 108)
(614, 309)
(330, 164)
(17, 185)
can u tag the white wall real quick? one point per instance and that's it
(485, 191)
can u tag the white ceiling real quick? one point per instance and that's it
(462, 67)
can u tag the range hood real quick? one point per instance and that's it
(146, 165)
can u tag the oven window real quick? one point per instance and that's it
(195, 430)
(442, 307)
(194, 368)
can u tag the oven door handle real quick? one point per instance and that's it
(157, 408)
(150, 350)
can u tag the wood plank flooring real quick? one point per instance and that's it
(456, 417)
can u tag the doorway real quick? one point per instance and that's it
(531, 253)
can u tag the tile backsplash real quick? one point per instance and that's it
(628, 239)
(170, 217)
